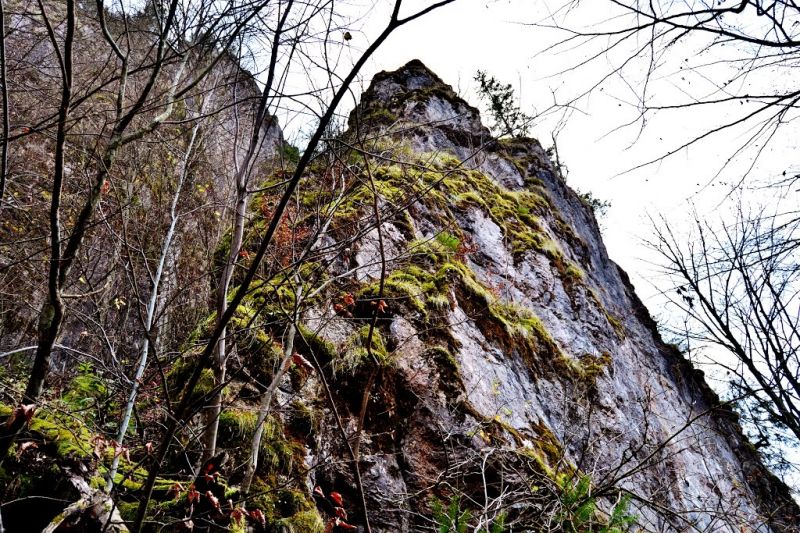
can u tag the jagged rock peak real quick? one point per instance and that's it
(413, 75)
(413, 93)
(415, 106)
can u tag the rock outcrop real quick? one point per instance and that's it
(511, 335)
(465, 352)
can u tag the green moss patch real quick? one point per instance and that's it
(290, 508)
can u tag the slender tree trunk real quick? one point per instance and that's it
(221, 354)
(52, 312)
(211, 415)
(151, 305)
(264, 409)
(6, 119)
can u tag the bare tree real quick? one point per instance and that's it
(186, 404)
(52, 312)
(242, 179)
(742, 53)
(737, 282)
(4, 94)
(155, 292)
(145, 95)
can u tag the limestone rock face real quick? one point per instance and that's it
(558, 360)
(472, 347)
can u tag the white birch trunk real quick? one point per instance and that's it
(151, 305)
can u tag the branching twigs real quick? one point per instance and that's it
(738, 285)
(52, 313)
(267, 397)
(240, 214)
(53, 308)
(745, 37)
(6, 118)
(370, 336)
(131, 122)
(155, 294)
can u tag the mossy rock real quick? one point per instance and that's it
(181, 371)
(281, 455)
(450, 376)
(69, 437)
(291, 508)
(303, 522)
(127, 510)
(303, 420)
(311, 343)
(358, 349)
(236, 426)
(66, 435)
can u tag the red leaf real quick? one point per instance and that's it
(302, 362)
(21, 411)
(343, 525)
(341, 513)
(348, 299)
(28, 410)
(258, 516)
(382, 306)
(149, 448)
(120, 450)
(238, 515)
(212, 499)
(174, 491)
(100, 445)
(192, 495)
(337, 499)
(25, 446)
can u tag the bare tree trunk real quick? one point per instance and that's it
(151, 305)
(52, 311)
(6, 128)
(212, 412)
(266, 402)
(220, 354)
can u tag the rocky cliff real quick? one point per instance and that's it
(436, 341)
(517, 355)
